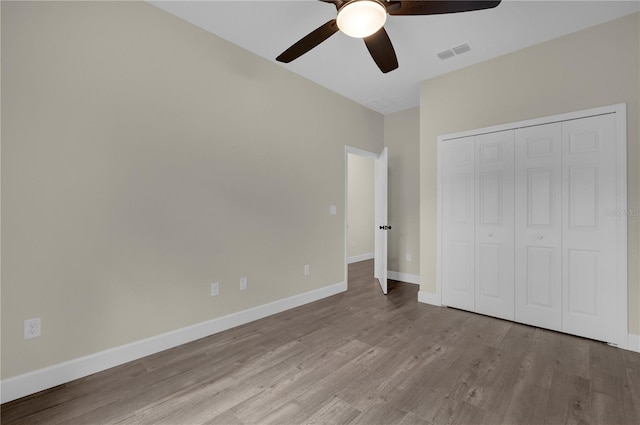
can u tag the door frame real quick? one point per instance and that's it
(621, 282)
(365, 154)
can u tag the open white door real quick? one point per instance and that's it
(380, 220)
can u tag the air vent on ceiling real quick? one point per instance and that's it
(457, 50)
(463, 48)
(446, 54)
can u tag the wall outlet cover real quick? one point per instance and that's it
(215, 289)
(243, 283)
(32, 328)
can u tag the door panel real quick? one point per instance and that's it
(380, 219)
(461, 194)
(583, 282)
(540, 192)
(589, 244)
(461, 257)
(490, 198)
(541, 285)
(538, 230)
(489, 269)
(458, 216)
(583, 197)
(494, 230)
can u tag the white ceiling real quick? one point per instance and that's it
(343, 65)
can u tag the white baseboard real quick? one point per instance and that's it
(429, 298)
(38, 380)
(634, 343)
(404, 277)
(361, 257)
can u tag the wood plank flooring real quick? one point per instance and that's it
(358, 358)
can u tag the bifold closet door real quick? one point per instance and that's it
(589, 162)
(533, 222)
(538, 226)
(458, 216)
(494, 262)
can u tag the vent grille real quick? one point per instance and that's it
(463, 48)
(446, 54)
(457, 50)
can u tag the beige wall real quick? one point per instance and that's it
(360, 225)
(595, 67)
(402, 137)
(143, 159)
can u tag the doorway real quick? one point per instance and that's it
(368, 173)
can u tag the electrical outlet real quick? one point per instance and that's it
(243, 283)
(307, 269)
(215, 289)
(408, 258)
(31, 328)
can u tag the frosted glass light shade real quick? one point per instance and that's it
(361, 18)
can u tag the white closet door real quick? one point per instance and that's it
(538, 226)
(589, 251)
(458, 214)
(494, 263)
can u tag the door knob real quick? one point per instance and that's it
(385, 227)
(540, 237)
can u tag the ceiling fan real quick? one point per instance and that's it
(365, 19)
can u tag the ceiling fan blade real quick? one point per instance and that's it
(309, 41)
(437, 7)
(381, 49)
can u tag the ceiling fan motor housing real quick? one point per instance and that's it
(361, 18)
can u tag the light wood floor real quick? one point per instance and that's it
(358, 358)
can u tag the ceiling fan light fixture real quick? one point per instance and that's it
(361, 18)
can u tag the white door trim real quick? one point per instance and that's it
(621, 231)
(620, 108)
